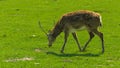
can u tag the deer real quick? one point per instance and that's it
(77, 21)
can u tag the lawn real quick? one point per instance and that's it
(24, 45)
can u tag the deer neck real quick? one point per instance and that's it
(57, 30)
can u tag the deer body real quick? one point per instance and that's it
(73, 21)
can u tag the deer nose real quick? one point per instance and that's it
(49, 45)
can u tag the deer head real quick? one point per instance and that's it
(49, 35)
(51, 38)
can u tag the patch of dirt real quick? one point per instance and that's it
(19, 59)
(38, 50)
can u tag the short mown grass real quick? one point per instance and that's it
(24, 45)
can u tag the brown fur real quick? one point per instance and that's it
(75, 21)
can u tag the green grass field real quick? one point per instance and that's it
(24, 45)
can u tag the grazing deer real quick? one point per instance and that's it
(77, 20)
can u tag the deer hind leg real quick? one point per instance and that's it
(91, 36)
(65, 40)
(101, 37)
(76, 39)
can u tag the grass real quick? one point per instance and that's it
(24, 45)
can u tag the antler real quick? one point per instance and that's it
(42, 28)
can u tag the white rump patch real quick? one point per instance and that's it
(101, 19)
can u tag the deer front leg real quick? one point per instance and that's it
(91, 36)
(101, 37)
(65, 40)
(76, 39)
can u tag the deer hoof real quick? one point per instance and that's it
(82, 50)
(62, 51)
(102, 51)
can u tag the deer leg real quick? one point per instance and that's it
(101, 37)
(65, 40)
(76, 39)
(91, 36)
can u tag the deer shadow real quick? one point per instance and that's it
(73, 54)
